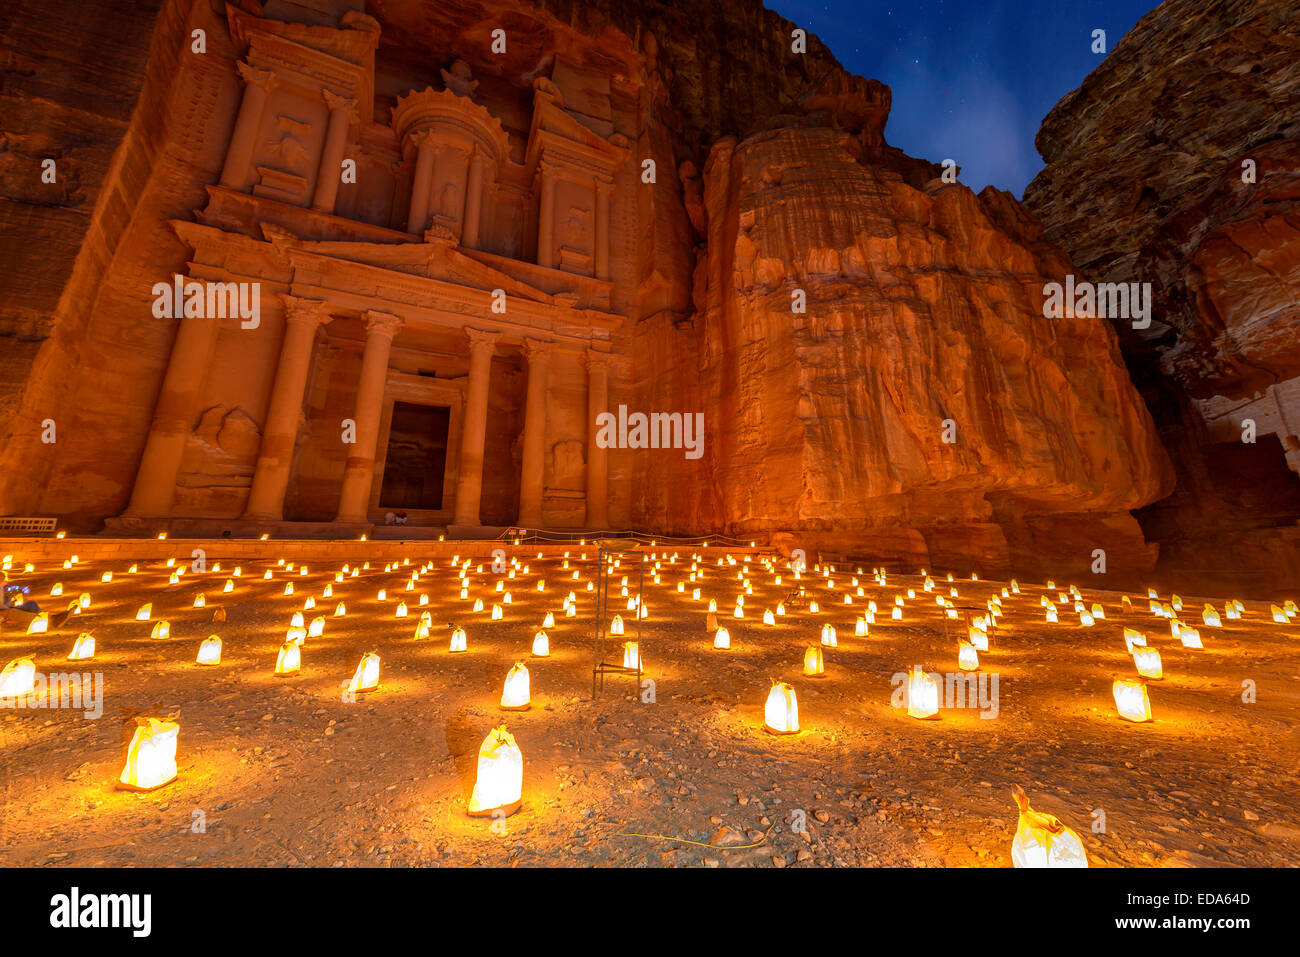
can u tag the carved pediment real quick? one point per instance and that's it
(436, 260)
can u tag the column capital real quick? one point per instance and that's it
(595, 359)
(419, 138)
(481, 341)
(538, 350)
(338, 101)
(253, 76)
(381, 324)
(315, 311)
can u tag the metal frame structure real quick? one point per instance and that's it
(607, 549)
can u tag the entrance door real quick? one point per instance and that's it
(416, 461)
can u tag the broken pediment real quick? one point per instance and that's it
(553, 125)
(585, 95)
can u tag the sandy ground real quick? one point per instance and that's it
(279, 771)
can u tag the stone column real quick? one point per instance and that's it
(343, 113)
(546, 219)
(602, 230)
(473, 202)
(534, 463)
(597, 457)
(418, 215)
(469, 481)
(173, 417)
(239, 155)
(302, 317)
(354, 501)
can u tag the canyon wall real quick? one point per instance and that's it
(1177, 163)
(74, 74)
(866, 341)
(921, 404)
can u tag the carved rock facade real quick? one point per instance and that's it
(624, 208)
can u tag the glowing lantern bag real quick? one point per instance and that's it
(366, 677)
(289, 660)
(83, 647)
(209, 651)
(922, 694)
(459, 642)
(1131, 699)
(18, 678)
(781, 713)
(631, 656)
(1147, 661)
(516, 696)
(151, 755)
(499, 784)
(1042, 840)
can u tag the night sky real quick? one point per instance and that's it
(972, 79)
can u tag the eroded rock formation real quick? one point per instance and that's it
(921, 402)
(1178, 163)
(866, 342)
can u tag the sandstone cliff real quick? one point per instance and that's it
(921, 405)
(1178, 163)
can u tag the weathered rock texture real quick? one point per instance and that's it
(923, 311)
(73, 76)
(1145, 183)
(918, 408)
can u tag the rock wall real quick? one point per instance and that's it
(1177, 163)
(921, 402)
(99, 367)
(57, 102)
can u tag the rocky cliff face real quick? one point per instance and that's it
(921, 403)
(59, 103)
(866, 342)
(1178, 163)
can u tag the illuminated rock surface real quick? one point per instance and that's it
(923, 314)
(1144, 183)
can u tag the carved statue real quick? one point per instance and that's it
(459, 79)
(289, 148)
(447, 200)
(575, 227)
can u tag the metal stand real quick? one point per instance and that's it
(605, 550)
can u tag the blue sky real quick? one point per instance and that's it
(972, 79)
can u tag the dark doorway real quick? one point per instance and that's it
(417, 457)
